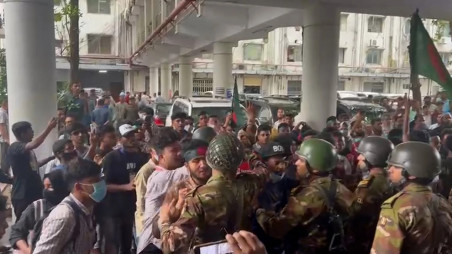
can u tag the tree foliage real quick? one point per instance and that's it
(3, 83)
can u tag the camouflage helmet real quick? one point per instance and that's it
(225, 153)
(319, 154)
(417, 158)
(376, 150)
(204, 133)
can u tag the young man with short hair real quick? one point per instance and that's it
(69, 228)
(107, 140)
(263, 137)
(27, 185)
(64, 152)
(178, 124)
(202, 119)
(118, 209)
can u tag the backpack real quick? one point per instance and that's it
(41, 215)
(335, 223)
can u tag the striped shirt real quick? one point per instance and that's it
(58, 229)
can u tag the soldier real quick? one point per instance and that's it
(415, 220)
(371, 192)
(308, 213)
(223, 205)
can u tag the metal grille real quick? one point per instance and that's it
(201, 85)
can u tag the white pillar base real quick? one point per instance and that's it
(222, 69)
(185, 76)
(30, 59)
(320, 64)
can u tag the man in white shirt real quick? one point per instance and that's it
(427, 115)
(280, 114)
(169, 170)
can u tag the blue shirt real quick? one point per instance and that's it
(446, 106)
(100, 116)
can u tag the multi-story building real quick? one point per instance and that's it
(373, 54)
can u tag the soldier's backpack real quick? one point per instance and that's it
(335, 224)
(41, 215)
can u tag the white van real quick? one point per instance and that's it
(193, 106)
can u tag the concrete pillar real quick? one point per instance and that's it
(30, 58)
(320, 64)
(222, 69)
(165, 80)
(153, 80)
(185, 76)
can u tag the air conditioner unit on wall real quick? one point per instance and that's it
(373, 43)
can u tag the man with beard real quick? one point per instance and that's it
(64, 152)
(168, 170)
(371, 192)
(117, 210)
(195, 161)
(224, 204)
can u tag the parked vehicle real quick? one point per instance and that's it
(161, 109)
(267, 108)
(193, 106)
(351, 108)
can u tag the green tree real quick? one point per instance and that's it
(3, 83)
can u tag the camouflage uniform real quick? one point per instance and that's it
(370, 193)
(223, 205)
(305, 218)
(306, 210)
(415, 220)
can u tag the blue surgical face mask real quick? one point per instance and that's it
(100, 191)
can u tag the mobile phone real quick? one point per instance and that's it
(220, 247)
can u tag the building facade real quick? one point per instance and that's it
(373, 54)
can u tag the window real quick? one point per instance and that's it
(446, 30)
(252, 89)
(375, 87)
(344, 18)
(341, 55)
(446, 58)
(373, 56)
(407, 86)
(202, 85)
(294, 53)
(375, 24)
(99, 6)
(407, 26)
(294, 87)
(99, 44)
(252, 51)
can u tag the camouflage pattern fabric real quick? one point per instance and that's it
(306, 205)
(221, 206)
(414, 221)
(370, 193)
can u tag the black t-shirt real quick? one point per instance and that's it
(119, 167)
(27, 184)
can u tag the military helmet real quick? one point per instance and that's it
(417, 158)
(225, 153)
(376, 150)
(204, 133)
(319, 154)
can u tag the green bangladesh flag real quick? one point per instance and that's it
(238, 113)
(424, 57)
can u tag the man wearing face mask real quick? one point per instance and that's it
(55, 190)
(415, 220)
(372, 191)
(308, 206)
(64, 151)
(69, 227)
(120, 167)
(194, 153)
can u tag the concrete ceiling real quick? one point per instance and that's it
(234, 20)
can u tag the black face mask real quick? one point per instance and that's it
(53, 197)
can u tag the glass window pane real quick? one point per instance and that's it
(93, 6)
(105, 45)
(253, 52)
(93, 44)
(104, 6)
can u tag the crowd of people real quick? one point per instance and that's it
(126, 185)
